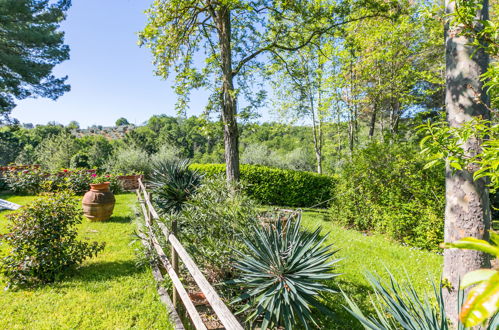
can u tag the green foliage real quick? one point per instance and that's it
(56, 151)
(42, 240)
(259, 154)
(482, 301)
(211, 225)
(129, 160)
(31, 181)
(444, 144)
(385, 188)
(111, 282)
(173, 184)
(283, 274)
(31, 46)
(400, 306)
(273, 186)
(121, 121)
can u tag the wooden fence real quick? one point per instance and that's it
(170, 266)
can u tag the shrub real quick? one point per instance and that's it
(173, 184)
(212, 223)
(273, 186)
(34, 181)
(56, 151)
(283, 274)
(385, 188)
(25, 180)
(42, 240)
(165, 153)
(129, 160)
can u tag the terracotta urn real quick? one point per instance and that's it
(98, 202)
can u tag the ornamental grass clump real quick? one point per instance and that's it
(42, 241)
(283, 275)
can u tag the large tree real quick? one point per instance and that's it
(467, 212)
(30, 46)
(231, 34)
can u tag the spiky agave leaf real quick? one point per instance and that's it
(173, 183)
(283, 274)
(398, 306)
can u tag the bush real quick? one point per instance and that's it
(284, 274)
(42, 240)
(385, 188)
(129, 160)
(32, 181)
(166, 153)
(273, 186)
(25, 181)
(212, 223)
(56, 151)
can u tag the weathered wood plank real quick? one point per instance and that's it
(163, 294)
(224, 314)
(148, 200)
(184, 296)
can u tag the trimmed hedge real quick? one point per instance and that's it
(274, 186)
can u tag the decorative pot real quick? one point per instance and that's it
(98, 202)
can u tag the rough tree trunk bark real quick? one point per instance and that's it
(372, 124)
(467, 210)
(228, 98)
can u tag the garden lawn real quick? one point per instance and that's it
(106, 292)
(375, 254)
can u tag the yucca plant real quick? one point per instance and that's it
(400, 307)
(173, 184)
(283, 274)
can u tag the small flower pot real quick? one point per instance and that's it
(98, 202)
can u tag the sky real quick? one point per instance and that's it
(110, 76)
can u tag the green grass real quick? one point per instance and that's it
(106, 292)
(363, 253)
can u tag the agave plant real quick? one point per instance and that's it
(398, 306)
(173, 183)
(283, 274)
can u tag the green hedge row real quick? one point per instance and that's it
(274, 186)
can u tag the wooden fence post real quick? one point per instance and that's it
(174, 261)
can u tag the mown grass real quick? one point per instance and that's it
(106, 292)
(376, 254)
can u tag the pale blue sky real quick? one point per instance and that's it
(110, 76)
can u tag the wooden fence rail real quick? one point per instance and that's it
(178, 251)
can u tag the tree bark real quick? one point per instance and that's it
(372, 124)
(467, 209)
(228, 97)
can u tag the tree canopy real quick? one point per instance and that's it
(31, 44)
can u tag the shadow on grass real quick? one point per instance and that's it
(119, 219)
(105, 270)
(340, 318)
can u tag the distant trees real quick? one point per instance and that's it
(121, 122)
(31, 45)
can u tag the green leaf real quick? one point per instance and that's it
(471, 243)
(482, 302)
(476, 277)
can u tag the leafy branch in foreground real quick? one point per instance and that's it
(283, 274)
(482, 301)
(445, 143)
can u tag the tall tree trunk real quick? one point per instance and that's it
(372, 124)
(467, 209)
(228, 97)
